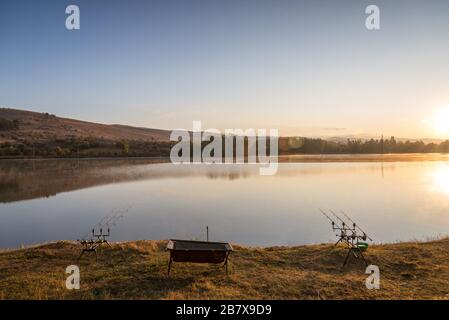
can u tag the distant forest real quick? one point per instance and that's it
(91, 147)
(358, 146)
(83, 148)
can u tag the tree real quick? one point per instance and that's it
(6, 124)
(125, 147)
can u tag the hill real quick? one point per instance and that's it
(24, 133)
(44, 126)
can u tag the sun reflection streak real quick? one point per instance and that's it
(440, 179)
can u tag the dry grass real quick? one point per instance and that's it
(138, 270)
(45, 127)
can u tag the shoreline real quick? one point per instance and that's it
(427, 239)
(294, 158)
(391, 157)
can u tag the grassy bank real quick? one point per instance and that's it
(138, 270)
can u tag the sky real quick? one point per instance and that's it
(307, 68)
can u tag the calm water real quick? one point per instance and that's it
(60, 199)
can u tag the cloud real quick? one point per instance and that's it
(335, 129)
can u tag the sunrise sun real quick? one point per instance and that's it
(441, 121)
(437, 122)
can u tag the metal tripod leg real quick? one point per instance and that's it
(339, 240)
(356, 252)
(347, 257)
(363, 257)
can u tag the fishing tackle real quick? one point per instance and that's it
(348, 233)
(98, 235)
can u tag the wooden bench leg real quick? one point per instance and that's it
(169, 265)
(226, 263)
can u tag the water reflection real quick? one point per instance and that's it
(439, 178)
(392, 200)
(24, 180)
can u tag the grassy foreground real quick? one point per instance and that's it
(138, 270)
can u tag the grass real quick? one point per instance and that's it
(138, 270)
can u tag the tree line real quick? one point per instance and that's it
(359, 146)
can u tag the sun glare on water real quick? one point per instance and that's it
(440, 179)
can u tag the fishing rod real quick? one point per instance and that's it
(334, 224)
(98, 224)
(341, 220)
(112, 220)
(347, 234)
(353, 236)
(355, 225)
(109, 219)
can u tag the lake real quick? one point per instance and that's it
(47, 200)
